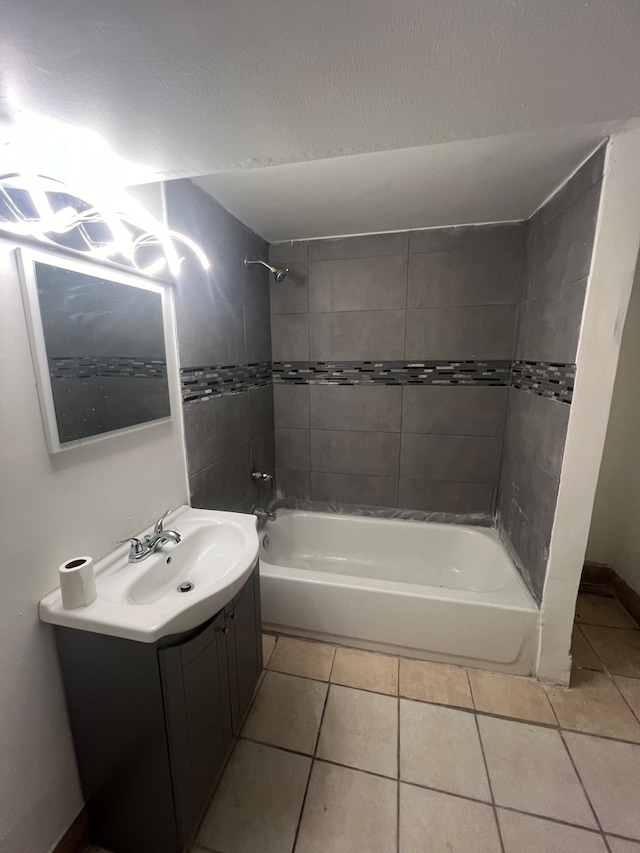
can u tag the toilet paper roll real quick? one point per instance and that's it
(77, 582)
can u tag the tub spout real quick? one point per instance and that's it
(263, 515)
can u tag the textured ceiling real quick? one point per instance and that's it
(198, 86)
(193, 87)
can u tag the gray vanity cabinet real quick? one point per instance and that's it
(153, 724)
(195, 686)
(245, 650)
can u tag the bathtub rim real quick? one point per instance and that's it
(513, 595)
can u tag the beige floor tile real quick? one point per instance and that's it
(510, 696)
(360, 729)
(430, 821)
(287, 712)
(621, 845)
(366, 671)
(583, 655)
(525, 834)
(268, 644)
(440, 748)
(593, 705)
(347, 812)
(258, 801)
(302, 657)
(617, 648)
(610, 772)
(600, 610)
(435, 682)
(630, 689)
(530, 770)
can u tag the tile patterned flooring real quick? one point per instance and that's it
(346, 751)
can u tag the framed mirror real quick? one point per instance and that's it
(98, 343)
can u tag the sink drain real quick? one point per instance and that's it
(185, 586)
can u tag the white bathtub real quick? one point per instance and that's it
(435, 591)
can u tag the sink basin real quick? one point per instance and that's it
(174, 590)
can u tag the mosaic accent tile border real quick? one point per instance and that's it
(201, 383)
(392, 372)
(84, 367)
(545, 378)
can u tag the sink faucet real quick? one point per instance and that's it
(141, 548)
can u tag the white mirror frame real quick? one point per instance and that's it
(26, 259)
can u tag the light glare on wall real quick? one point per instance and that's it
(86, 207)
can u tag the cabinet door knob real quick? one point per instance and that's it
(232, 615)
(224, 630)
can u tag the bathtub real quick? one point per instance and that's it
(442, 592)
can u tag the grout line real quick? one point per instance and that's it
(552, 820)
(584, 790)
(622, 837)
(635, 628)
(313, 759)
(495, 716)
(486, 770)
(286, 749)
(398, 768)
(432, 788)
(473, 698)
(624, 698)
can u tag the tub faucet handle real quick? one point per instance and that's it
(260, 477)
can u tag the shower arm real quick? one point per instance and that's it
(279, 275)
(248, 262)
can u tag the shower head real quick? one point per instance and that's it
(278, 274)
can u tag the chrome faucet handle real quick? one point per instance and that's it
(158, 528)
(259, 477)
(136, 546)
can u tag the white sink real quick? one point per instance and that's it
(142, 601)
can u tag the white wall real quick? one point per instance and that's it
(78, 502)
(615, 527)
(613, 265)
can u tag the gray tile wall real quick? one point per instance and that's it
(449, 293)
(223, 318)
(559, 242)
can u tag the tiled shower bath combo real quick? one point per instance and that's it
(423, 375)
(433, 370)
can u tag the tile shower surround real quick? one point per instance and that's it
(207, 384)
(559, 243)
(363, 311)
(222, 318)
(392, 356)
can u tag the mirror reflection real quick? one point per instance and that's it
(105, 352)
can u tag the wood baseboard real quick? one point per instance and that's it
(595, 573)
(76, 838)
(627, 596)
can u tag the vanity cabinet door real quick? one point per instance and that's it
(196, 693)
(245, 647)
